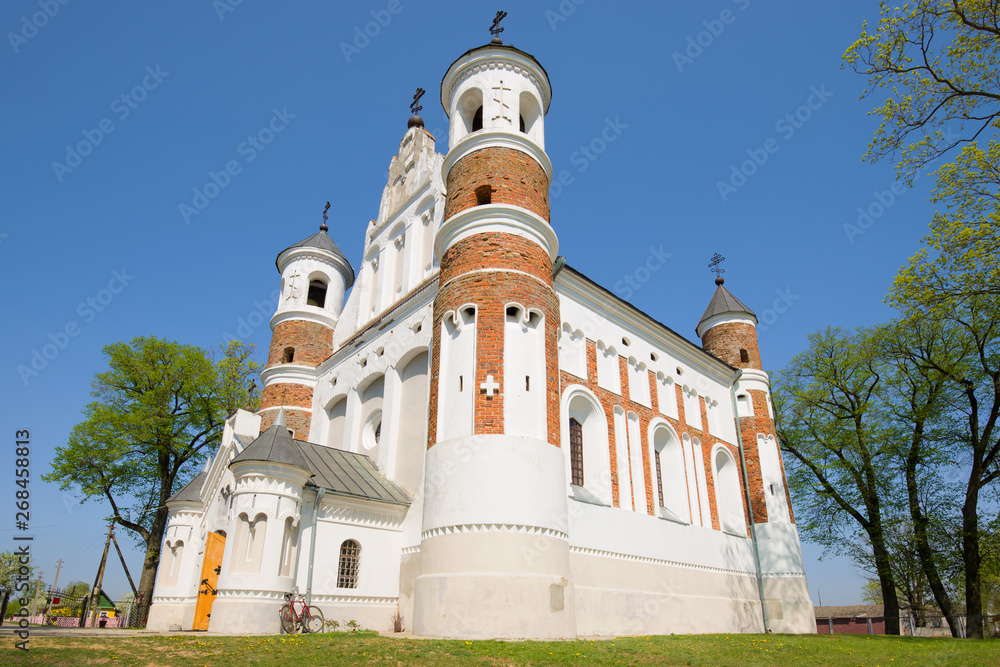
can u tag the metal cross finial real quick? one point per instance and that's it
(714, 265)
(415, 104)
(326, 215)
(495, 29)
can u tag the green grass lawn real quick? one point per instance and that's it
(343, 648)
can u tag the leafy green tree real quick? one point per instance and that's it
(159, 408)
(10, 569)
(841, 450)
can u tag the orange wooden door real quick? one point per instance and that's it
(210, 567)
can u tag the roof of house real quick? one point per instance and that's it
(339, 472)
(850, 611)
(191, 490)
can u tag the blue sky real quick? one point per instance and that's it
(737, 131)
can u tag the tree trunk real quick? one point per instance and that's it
(971, 559)
(924, 552)
(890, 600)
(152, 560)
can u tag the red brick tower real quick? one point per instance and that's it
(315, 275)
(495, 477)
(728, 330)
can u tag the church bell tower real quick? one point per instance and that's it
(494, 547)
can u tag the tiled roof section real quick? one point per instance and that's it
(723, 301)
(339, 472)
(349, 474)
(191, 490)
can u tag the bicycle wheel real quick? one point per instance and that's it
(288, 624)
(314, 619)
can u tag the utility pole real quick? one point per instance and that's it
(55, 587)
(95, 594)
(114, 539)
(34, 600)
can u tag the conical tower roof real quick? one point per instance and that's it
(723, 302)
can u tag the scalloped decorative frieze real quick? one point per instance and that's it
(360, 517)
(410, 550)
(258, 483)
(493, 65)
(657, 561)
(494, 528)
(252, 594)
(169, 599)
(353, 599)
(784, 575)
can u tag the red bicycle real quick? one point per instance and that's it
(306, 619)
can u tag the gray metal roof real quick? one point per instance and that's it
(322, 241)
(349, 474)
(275, 445)
(724, 302)
(191, 490)
(339, 472)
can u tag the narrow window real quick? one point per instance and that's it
(744, 356)
(527, 383)
(461, 383)
(521, 124)
(317, 293)
(477, 120)
(576, 451)
(484, 195)
(659, 476)
(347, 572)
(288, 355)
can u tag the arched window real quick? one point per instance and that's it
(288, 355)
(727, 493)
(744, 406)
(249, 546)
(350, 560)
(317, 293)
(576, 451)
(289, 541)
(671, 479)
(744, 356)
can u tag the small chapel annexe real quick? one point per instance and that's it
(468, 431)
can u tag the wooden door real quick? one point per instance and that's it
(210, 567)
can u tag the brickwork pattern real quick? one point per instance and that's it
(725, 341)
(609, 399)
(491, 293)
(313, 343)
(513, 177)
(760, 423)
(296, 420)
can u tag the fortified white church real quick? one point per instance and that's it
(481, 437)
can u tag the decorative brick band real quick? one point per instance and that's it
(312, 343)
(497, 176)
